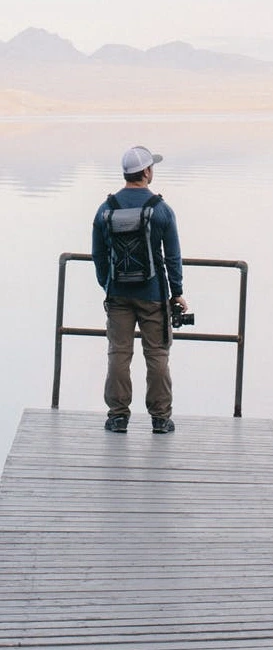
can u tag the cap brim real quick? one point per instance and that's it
(157, 158)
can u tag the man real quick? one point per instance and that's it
(144, 303)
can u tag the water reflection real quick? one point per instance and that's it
(45, 157)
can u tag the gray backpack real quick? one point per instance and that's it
(129, 231)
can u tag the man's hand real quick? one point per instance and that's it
(180, 301)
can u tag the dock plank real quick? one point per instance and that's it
(137, 541)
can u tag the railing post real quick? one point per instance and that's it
(58, 335)
(241, 341)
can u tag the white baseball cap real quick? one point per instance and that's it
(138, 158)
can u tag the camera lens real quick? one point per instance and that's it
(188, 319)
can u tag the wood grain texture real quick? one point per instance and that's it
(137, 541)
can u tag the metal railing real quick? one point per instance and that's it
(238, 338)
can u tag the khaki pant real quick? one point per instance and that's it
(123, 314)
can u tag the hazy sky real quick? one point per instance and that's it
(142, 23)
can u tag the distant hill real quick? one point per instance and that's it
(118, 55)
(177, 55)
(184, 56)
(39, 46)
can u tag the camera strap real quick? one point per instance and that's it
(164, 298)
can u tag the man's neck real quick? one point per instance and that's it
(133, 186)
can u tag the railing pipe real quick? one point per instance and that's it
(238, 338)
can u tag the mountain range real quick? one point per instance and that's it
(38, 46)
(44, 74)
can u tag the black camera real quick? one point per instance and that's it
(179, 318)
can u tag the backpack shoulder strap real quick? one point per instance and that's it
(113, 202)
(152, 201)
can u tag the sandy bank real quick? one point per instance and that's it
(103, 92)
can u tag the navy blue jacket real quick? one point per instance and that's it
(164, 242)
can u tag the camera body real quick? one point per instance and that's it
(179, 318)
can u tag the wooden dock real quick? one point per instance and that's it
(137, 541)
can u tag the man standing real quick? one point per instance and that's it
(145, 302)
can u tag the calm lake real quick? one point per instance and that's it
(216, 174)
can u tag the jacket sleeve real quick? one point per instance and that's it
(172, 254)
(100, 250)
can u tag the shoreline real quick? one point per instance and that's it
(148, 116)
